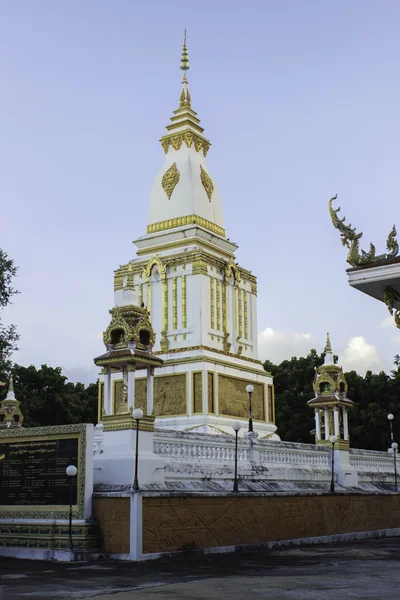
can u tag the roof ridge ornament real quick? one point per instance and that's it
(351, 239)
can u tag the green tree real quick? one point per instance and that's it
(374, 396)
(47, 398)
(8, 334)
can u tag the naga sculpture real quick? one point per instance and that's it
(351, 239)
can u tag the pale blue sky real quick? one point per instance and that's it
(300, 101)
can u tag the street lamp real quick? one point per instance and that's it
(250, 390)
(333, 439)
(137, 415)
(71, 471)
(236, 427)
(391, 417)
(394, 450)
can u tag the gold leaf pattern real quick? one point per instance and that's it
(207, 182)
(170, 180)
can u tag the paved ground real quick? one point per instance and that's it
(367, 570)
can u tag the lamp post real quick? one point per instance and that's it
(137, 415)
(333, 439)
(394, 450)
(236, 427)
(250, 390)
(71, 471)
(390, 418)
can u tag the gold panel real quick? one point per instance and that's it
(118, 397)
(197, 392)
(234, 400)
(271, 404)
(170, 395)
(210, 392)
(141, 394)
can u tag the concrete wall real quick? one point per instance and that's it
(182, 523)
(113, 517)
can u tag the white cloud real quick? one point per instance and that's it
(388, 323)
(277, 346)
(95, 335)
(360, 356)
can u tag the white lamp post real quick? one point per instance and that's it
(71, 471)
(394, 450)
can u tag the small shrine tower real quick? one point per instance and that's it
(331, 403)
(10, 413)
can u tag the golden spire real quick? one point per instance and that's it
(185, 65)
(185, 126)
(328, 347)
(184, 99)
(11, 385)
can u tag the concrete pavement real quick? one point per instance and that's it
(367, 570)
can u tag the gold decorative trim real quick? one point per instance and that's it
(209, 349)
(140, 297)
(170, 180)
(126, 421)
(218, 282)
(188, 137)
(188, 220)
(240, 298)
(215, 361)
(174, 303)
(154, 260)
(184, 318)
(207, 182)
(246, 315)
(212, 303)
(199, 267)
(254, 288)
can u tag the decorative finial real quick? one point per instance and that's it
(328, 347)
(185, 65)
(11, 385)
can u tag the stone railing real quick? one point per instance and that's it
(187, 446)
(371, 464)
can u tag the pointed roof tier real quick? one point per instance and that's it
(184, 192)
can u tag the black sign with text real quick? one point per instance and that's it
(33, 473)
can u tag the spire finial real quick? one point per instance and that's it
(185, 65)
(11, 385)
(328, 347)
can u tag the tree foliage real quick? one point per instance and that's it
(8, 333)
(48, 398)
(374, 395)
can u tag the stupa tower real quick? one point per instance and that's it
(202, 303)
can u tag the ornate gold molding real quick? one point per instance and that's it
(246, 315)
(188, 220)
(170, 180)
(218, 282)
(212, 303)
(187, 137)
(174, 303)
(207, 182)
(209, 349)
(199, 267)
(392, 300)
(184, 325)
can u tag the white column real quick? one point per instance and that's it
(107, 391)
(336, 422)
(150, 393)
(136, 537)
(131, 386)
(326, 419)
(317, 425)
(345, 424)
